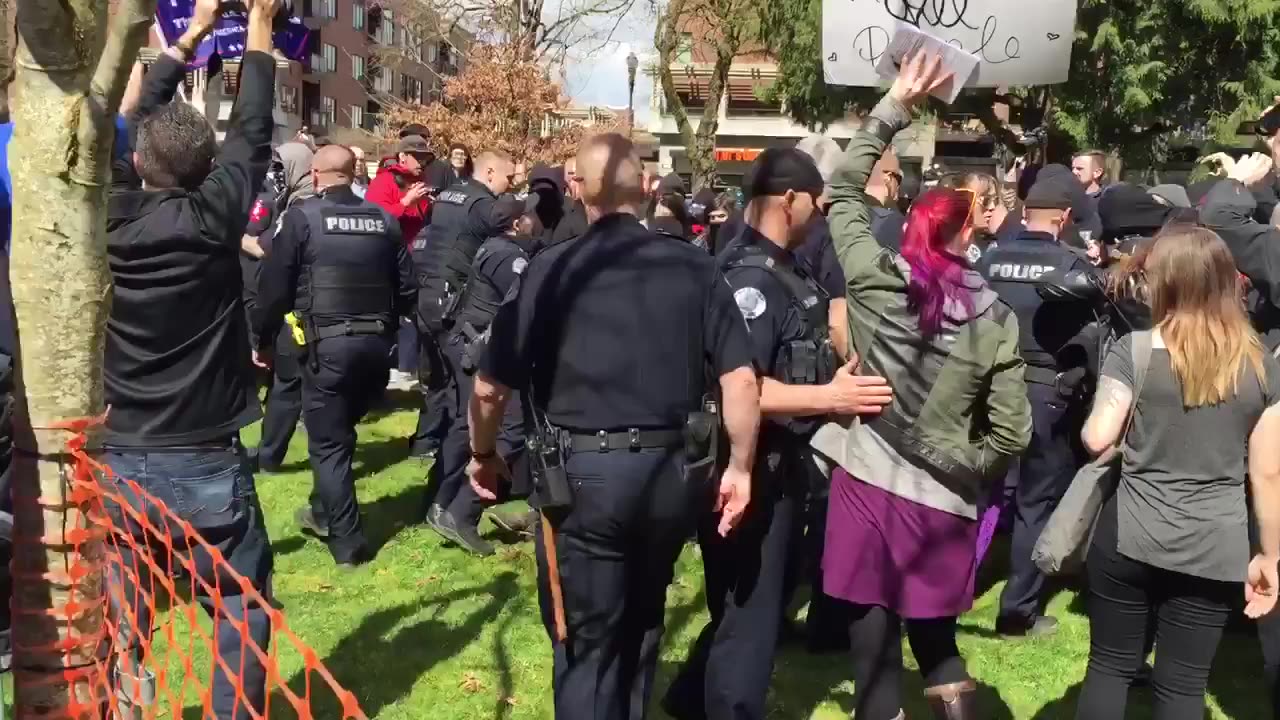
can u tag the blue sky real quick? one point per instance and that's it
(601, 78)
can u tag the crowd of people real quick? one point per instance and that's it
(828, 385)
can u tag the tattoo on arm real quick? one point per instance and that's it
(1112, 395)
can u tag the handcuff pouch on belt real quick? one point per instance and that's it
(474, 342)
(545, 443)
(702, 432)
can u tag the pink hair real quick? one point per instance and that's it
(936, 273)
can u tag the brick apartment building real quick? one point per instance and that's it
(360, 56)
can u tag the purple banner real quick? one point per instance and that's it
(228, 36)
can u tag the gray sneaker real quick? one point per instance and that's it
(307, 521)
(518, 523)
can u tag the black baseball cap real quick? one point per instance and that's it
(777, 170)
(415, 129)
(1051, 193)
(413, 144)
(672, 184)
(505, 211)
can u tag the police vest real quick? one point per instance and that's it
(812, 359)
(331, 286)
(443, 252)
(483, 297)
(1015, 270)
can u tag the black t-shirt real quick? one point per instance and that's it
(613, 330)
(818, 255)
(887, 225)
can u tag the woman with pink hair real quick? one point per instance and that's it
(902, 516)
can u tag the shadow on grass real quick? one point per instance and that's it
(381, 667)
(394, 401)
(372, 457)
(385, 517)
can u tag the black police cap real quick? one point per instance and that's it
(672, 184)
(1051, 193)
(777, 170)
(506, 210)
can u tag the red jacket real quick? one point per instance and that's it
(387, 190)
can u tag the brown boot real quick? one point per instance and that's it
(957, 701)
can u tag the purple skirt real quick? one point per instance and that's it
(884, 550)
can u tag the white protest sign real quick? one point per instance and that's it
(1020, 42)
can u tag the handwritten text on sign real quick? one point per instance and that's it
(1020, 42)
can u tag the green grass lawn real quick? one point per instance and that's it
(428, 632)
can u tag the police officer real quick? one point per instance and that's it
(612, 333)
(1055, 374)
(494, 272)
(442, 255)
(786, 309)
(339, 263)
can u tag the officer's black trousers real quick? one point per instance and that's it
(617, 550)
(1046, 470)
(727, 674)
(455, 494)
(346, 376)
(284, 408)
(439, 396)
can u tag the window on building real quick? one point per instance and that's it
(329, 8)
(385, 82)
(446, 56)
(357, 67)
(387, 29)
(357, 116)
(289, 99)
(684, 51)
(357, 15)
(432, 52)
(326, 60)
(328, 108)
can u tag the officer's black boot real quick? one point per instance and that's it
(467, 538)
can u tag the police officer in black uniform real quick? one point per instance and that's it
(339, 263)
(442, 256)
(498, 264)
(613, 333)
(1056, 375)
(786, 309)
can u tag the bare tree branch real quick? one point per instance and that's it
(126, 35)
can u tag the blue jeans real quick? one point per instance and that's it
(213, 490)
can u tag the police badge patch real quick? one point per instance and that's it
(750, 302)
(518, 265)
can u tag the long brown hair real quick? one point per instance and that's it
(1196, 305)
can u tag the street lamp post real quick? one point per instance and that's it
(633, 63)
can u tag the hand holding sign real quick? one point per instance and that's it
(957, 66)
(921, 75)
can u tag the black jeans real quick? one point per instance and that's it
(348, 374)
(214, 491)
(453, 492)
(728, 671)
(1124, 594)
(617, 549)
(1047, 467)
(439, 398)
(284, 406)
(1269, 637)
(875, 634)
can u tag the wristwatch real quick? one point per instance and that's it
(484, 455)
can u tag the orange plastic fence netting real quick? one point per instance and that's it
(132, 562)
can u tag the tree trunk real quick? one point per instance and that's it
(68, 83)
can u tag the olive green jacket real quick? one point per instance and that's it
(960, 408)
